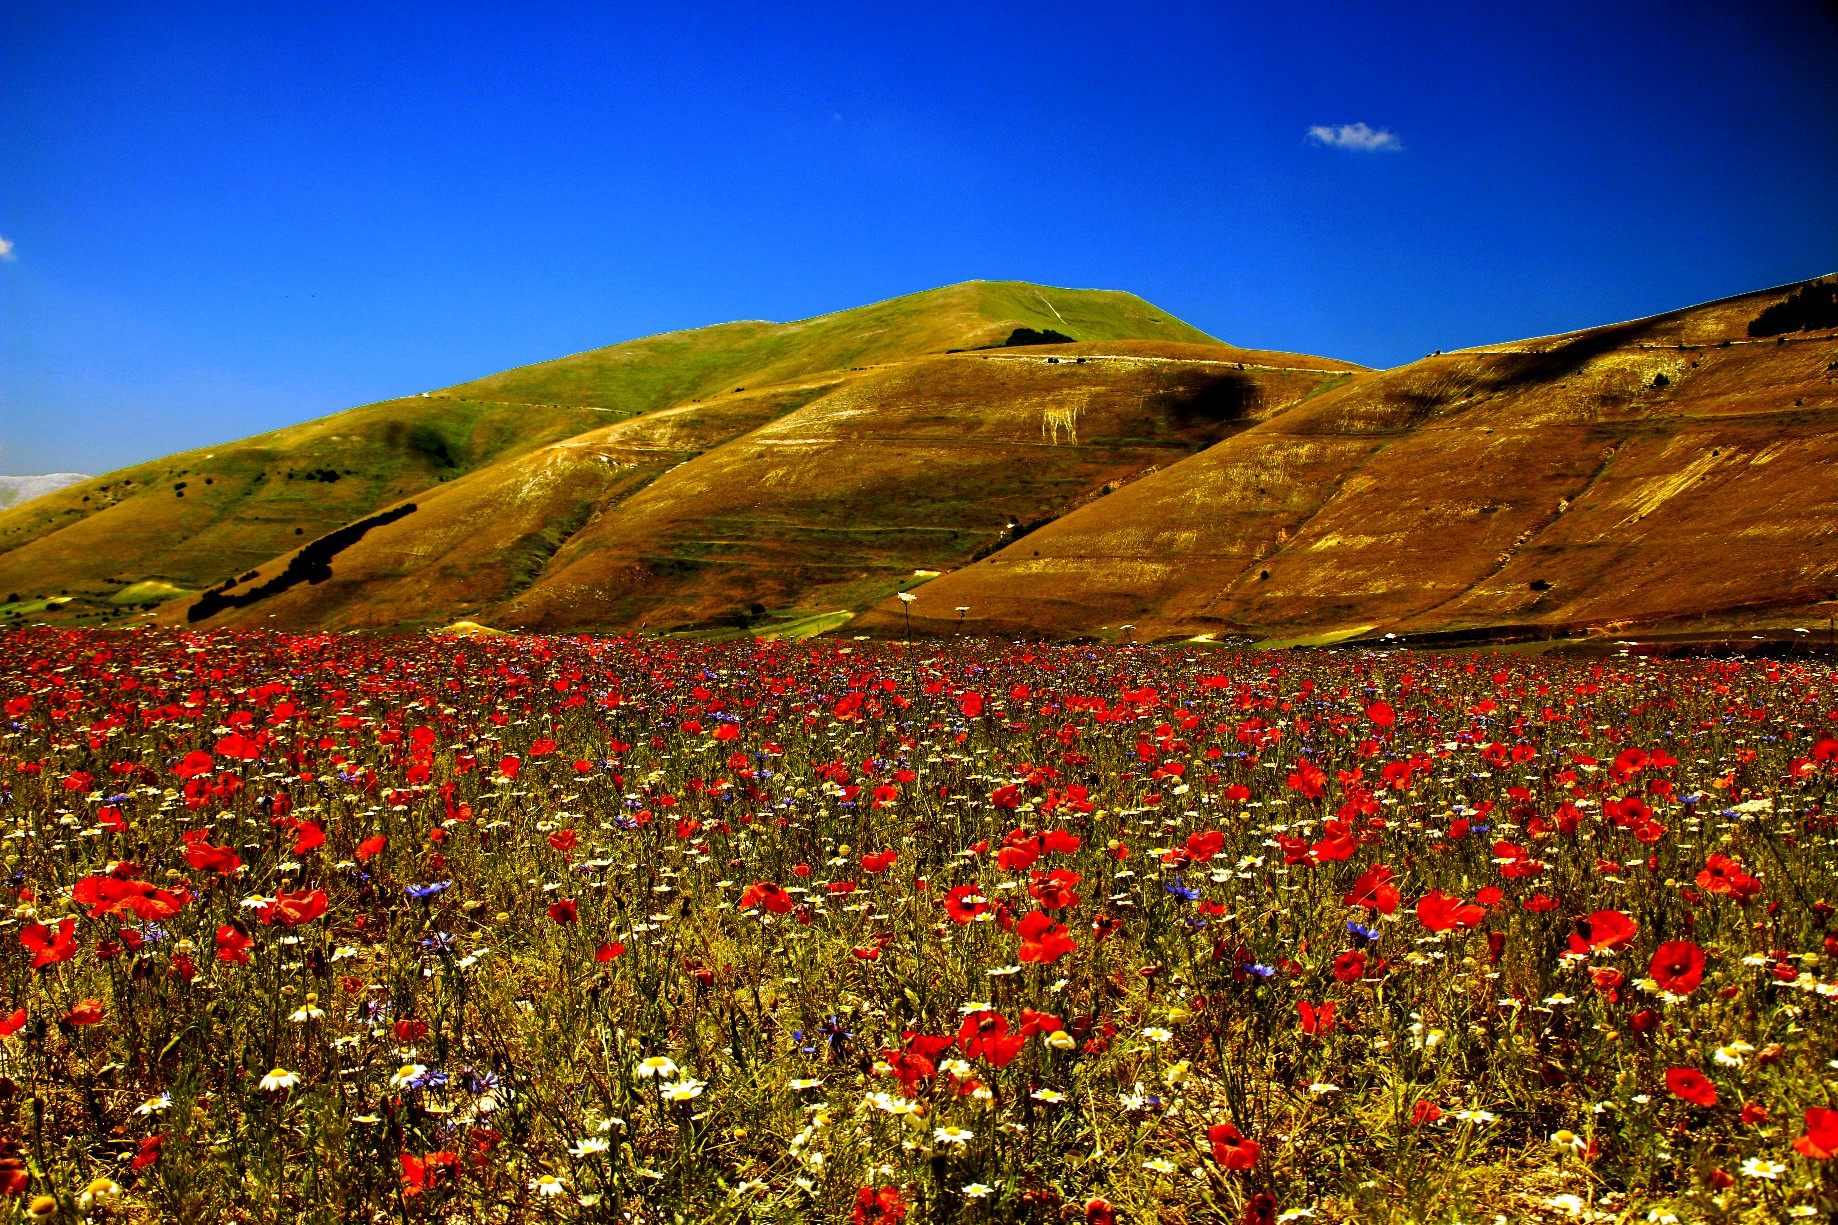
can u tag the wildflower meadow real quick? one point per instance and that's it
(339, 928)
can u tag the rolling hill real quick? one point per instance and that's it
(179, 525)
(1672, 474)
(1020, 460)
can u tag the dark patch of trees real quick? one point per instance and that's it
(1815, 306)
(1224, 399)
(1028, 336)
(312, 564)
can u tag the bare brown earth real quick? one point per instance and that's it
(1671, 473)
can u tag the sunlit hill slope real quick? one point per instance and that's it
(1066, 462)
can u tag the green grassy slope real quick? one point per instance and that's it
(641, 375)
(194, 519)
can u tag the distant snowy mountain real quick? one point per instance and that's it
(17, 489)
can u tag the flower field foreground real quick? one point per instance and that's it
(339, 928)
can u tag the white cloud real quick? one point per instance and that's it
(6, 250)
(1356, 136)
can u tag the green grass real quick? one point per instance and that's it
(641, 375)
(149, 591)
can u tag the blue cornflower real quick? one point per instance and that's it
(1362, 931)
(833, 1030)
(422, 893)
(1261, 970)
(1180, 890)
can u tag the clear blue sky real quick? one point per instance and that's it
(226, 218)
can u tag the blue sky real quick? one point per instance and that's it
(227, 218)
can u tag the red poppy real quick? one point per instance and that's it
(1042, 939)
(1039, 1023)
(1691, 1085)
(106, 895)
(49, 947)
(1309, 779)
(1605, 929)
(196, 762)
(910, 1066)
(1375, 891)
(971, 704)
(233, 946)
(1678, 967)
(880, 861)
(1424, 1111)
(1821, 1139)
(1439, 912)
(1230, 1147)
(1053, 890)
(882, 1207)
(1260, 1209)
(1381, 714)
(370, 846)
(13, 1024)
(200, 854)
(147, 1153)
(562, 912)
(241, 747)
(564, 840)
(509, 766)
(421, 1173)
(310, 836)
(1018, 858)
(1316, 1020)
(1753, 1113)
(765, 893)
(1100, 1212)
(964, 903)
(606, 952)
(1350, 966)
(1725, 876)
(985, 1035)
(85, 1012)
(1202, 847)
(293, 909)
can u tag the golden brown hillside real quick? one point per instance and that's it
(119, 543)
(1673, 472)
(763, 507)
